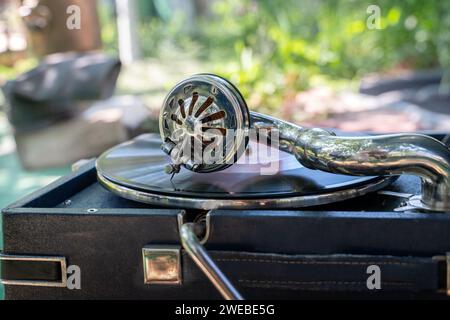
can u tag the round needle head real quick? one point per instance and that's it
(204, 123)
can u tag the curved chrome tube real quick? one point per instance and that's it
(202, 259)
(394, 154)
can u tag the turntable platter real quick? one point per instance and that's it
(135, 170)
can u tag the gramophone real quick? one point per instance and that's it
(205, 108)
(262, 207)
(208, 157)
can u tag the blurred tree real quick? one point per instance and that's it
(127, 21)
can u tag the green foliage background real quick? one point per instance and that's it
(274, 48)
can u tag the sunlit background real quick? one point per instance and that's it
(296, 59)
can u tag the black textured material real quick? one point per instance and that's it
(329, 272)
(106, 244)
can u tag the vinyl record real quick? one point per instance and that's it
(135, 170)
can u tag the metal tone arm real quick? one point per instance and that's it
(395, 154)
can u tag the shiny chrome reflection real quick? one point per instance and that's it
(202, 259)
(397, 154)
(413, 154)
(195, 111)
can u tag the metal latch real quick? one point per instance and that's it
(162, 265)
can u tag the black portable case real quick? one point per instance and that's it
(318, 252)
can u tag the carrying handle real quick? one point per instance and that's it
(203, 260)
